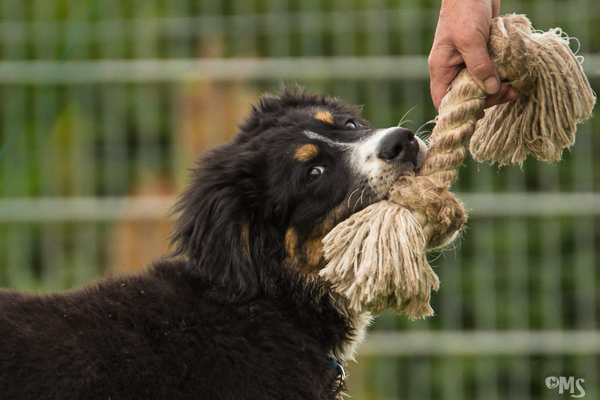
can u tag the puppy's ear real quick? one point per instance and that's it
(216, 228)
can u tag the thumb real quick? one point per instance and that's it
(482, 69)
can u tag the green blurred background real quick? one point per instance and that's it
(105, 104)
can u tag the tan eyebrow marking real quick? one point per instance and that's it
(306, 153)
(325, 116)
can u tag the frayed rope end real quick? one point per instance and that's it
(377, 260)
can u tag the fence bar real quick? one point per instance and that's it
(45, 72)
(481, 343)
(28, 209)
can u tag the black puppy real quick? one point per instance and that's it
(238, 311)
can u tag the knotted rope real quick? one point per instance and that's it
(377, 258)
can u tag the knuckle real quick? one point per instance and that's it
(481, 68)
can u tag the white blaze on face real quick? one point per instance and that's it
(380, 173)
(423, 149)
(365, 154)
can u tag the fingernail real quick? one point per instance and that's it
(492, 85)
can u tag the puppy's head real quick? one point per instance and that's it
(300, 165)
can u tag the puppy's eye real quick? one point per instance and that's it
(350, 125)
(315, 173)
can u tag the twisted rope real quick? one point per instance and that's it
(377, 258)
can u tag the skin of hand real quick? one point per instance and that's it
(461, 40)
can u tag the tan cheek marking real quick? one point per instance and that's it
(307, 257)
(291, 242)
(306, 153)
(324, 116)
(245, 229)
(314, 247)
(335, 216)
(314, 254)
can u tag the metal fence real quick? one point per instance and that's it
(105, 103)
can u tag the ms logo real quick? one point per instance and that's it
(564, 384)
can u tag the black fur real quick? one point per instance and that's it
(238, 312)
(166, 334)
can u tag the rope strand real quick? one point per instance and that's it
(377, 257)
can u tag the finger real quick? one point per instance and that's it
(441, 75)
(504, 95)
(481, 69)
(439, 88)
(511, 95)
(494, 99)
(437, 94)
(495, 8)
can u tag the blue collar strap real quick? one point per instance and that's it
(338, 366)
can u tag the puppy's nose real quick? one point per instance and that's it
(399, 145)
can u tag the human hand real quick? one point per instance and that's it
(461, 40)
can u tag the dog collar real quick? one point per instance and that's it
(338, 366)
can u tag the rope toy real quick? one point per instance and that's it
(377, 257)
